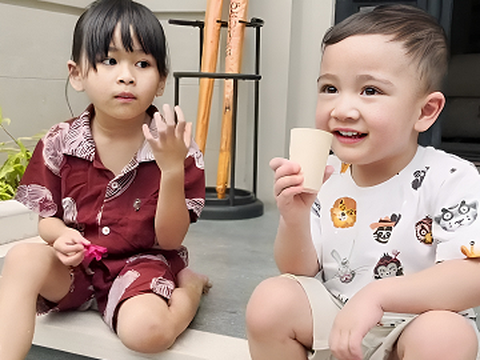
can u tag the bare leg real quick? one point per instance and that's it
(29, 270)
(279, 321)
(146, 323)
(438, 335)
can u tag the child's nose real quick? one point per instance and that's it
(345, 109)
(126, 76)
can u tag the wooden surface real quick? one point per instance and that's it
(209, 64)
(233, 64)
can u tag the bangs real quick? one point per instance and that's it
(95, 28)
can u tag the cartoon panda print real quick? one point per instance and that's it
(461, 214)
(423, 230)
(384, 228)
(388, 266)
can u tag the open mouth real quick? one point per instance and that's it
(350, 134)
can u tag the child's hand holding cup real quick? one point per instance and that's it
(310, 148)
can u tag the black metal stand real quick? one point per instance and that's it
(238, 203)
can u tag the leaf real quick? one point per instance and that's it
(13, 168)
(3, 120)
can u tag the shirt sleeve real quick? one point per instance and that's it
(455, 221)
(194, 182)
(39, 189)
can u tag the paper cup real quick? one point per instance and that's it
(310, 148)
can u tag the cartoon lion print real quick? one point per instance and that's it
(344, 212)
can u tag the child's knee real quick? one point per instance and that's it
(27, 255)
(269, 304)
(148, 335)
(439, 335)
(20, 252)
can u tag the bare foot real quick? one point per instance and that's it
(189, 278)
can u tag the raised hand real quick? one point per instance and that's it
(170, 144)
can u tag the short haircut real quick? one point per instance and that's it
(421, 35)
(94, 31)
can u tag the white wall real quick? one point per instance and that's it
(35, 41)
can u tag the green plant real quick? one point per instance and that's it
(17, 160)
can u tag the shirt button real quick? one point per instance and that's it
(105, 230)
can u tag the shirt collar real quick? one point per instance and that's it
(79, 140)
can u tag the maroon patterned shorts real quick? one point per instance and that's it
(112, 281)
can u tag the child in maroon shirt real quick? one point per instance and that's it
(116, 189)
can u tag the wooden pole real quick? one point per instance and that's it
(233, 64)
(209, 64)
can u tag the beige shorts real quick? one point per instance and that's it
(377, 344)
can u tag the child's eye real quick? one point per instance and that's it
(109, 61)
(328, 89)
(369, 91)
(143, 64)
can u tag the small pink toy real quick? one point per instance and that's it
(94, 252)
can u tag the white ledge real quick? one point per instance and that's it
(16, 221)
(86, 334)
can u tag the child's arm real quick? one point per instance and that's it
(451, 285)
(294, 249)
(170, 148)
(68, 242)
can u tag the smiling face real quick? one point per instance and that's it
(370, 99)
(124, 83)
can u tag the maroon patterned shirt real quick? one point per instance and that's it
(67, 180)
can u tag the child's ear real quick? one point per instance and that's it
(431, 109)
(161, 87)
(75, 75)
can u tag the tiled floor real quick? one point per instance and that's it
(236, 255)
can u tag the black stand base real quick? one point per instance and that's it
(245, 206)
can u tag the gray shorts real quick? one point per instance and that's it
(377, 344)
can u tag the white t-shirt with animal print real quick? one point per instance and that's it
(423, 215)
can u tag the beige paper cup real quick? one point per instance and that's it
(310, 149)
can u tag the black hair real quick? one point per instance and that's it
(94, 31)
(421, 35)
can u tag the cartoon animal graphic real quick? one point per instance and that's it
(345, 274)
(462, 214)
(316, 208)
(471, 253)
(423, 230)
(344, 212)
(384, 228)
(419, 176)
(388, 266)
(344, 168)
